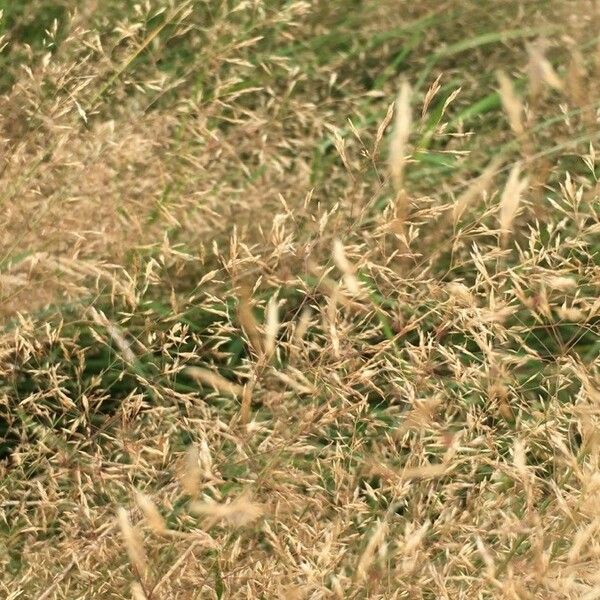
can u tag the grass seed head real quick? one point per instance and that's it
(513, 107)
(476, 188)
(510, 202)
(214, 380)
(191, 475)
(133, 543)
(137, 592)
(343, 264)
(239, 512)
(151, 513)
(400, 135)
(271, 325)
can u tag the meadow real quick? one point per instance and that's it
(299, 299)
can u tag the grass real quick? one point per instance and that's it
(272, 329)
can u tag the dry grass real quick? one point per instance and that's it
(299, 300)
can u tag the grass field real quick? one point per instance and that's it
(299, 299)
